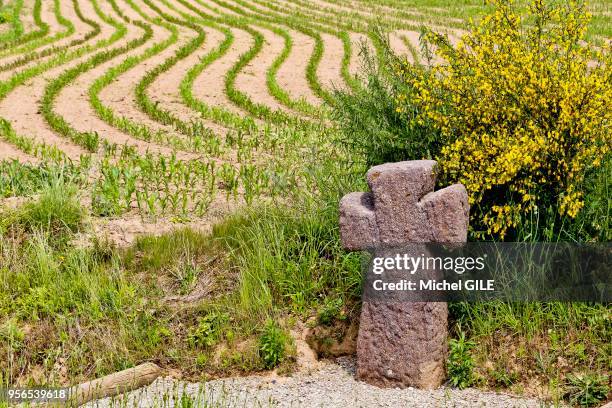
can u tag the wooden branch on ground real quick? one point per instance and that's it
(114, 384)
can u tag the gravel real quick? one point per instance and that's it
(332, 385)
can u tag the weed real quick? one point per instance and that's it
(504, 377)
(460, 364)
(330, 311)
(272, 344)
(587, 389)
(208, 330)
(371, 124)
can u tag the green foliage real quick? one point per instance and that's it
(186, 401)
(11, 333)
(208, 330)
(524, 342)
(272, 344)
(156, 254)
(370, 121)
(504, 377)
(6, 15)
(587, 389)
(520, 102)
(330, 311)
(594, 221)
(289, 257)
(17, 179)
(592, 224)
(460, 364)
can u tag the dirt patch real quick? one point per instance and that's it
(47, 15)
(8, 152)
(338, 339)
(27, 16)
(398, 45)
(382, 10)
(306, 357)
(123, 231)
(330, 66)
(333, 12)
(329, 70)
(292, 74)
(408, 42)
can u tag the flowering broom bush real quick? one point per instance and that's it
(523, 105)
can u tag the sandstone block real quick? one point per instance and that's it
(402, 343)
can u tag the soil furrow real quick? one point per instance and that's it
(398, 45)
(8, 152)
(329, 70)
(292, 74)
(27, 17)
(252, 79)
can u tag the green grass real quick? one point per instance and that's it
(106, 309)
(57, 212)
(18, 179)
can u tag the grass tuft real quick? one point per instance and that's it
(57, 211)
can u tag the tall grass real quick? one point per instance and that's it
(289, 257)
(57, 211)
(370, 123)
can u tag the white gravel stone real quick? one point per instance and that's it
(333, 385)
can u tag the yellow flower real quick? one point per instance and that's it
(523, 114)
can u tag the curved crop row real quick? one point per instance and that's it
(89, 140)
(238, 97)
(274, 88)
(36, 55)
(16, 36)
(304, 24)
(136, 130)
(23, 142)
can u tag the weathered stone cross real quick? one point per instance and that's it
(403, 344)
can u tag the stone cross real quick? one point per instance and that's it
(402, 344)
